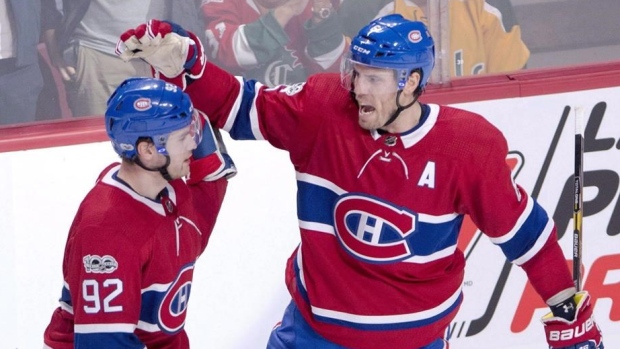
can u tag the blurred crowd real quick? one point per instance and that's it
(57, 56)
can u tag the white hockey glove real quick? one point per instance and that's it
(571, 325)
(210, 161)
(175, 54)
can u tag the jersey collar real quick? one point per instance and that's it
(430, 112)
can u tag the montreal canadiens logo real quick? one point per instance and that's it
(142, 104)
(172, 309)
(415, 36)
(373, 230)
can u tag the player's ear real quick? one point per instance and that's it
(145, 148)
(412, 82)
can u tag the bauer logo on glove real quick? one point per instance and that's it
(579, 332)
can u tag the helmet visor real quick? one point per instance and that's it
(358, 77)
(194, 131)
(195, 127)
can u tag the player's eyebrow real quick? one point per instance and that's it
(372, 73)
(378, 76)
(182, 133)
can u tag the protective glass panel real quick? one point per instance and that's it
(473, 37)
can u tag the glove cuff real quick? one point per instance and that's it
(197, 59)
(205, 168)
(210, 160)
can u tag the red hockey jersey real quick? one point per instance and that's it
(128, 265)
(379, 214)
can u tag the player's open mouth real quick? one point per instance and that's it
(366, 109)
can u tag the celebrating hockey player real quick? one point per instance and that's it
(384, 182)
(130, 254)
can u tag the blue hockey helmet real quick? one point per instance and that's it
(148, 108)
(393, 42)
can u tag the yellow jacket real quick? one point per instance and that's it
(479, 43)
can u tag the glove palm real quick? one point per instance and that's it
(172, 52)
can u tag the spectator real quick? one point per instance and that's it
(52, 102)
(20, 73)
(274, 41)
(484, 38)
(83, 46)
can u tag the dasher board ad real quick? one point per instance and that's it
(500, 306)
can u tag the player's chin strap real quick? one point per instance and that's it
(162, 170)
(400, 108)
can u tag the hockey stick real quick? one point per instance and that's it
(578, 198)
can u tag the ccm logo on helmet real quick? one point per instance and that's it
(361, 49)
(142, 104)
(415, 36)
(571, 333)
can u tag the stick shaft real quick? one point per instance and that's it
(578, 198)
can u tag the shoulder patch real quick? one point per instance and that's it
(293, 89)
(99, 265)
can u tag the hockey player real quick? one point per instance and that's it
(384, 182)
(130, 254)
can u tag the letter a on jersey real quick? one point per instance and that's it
(428, 176)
